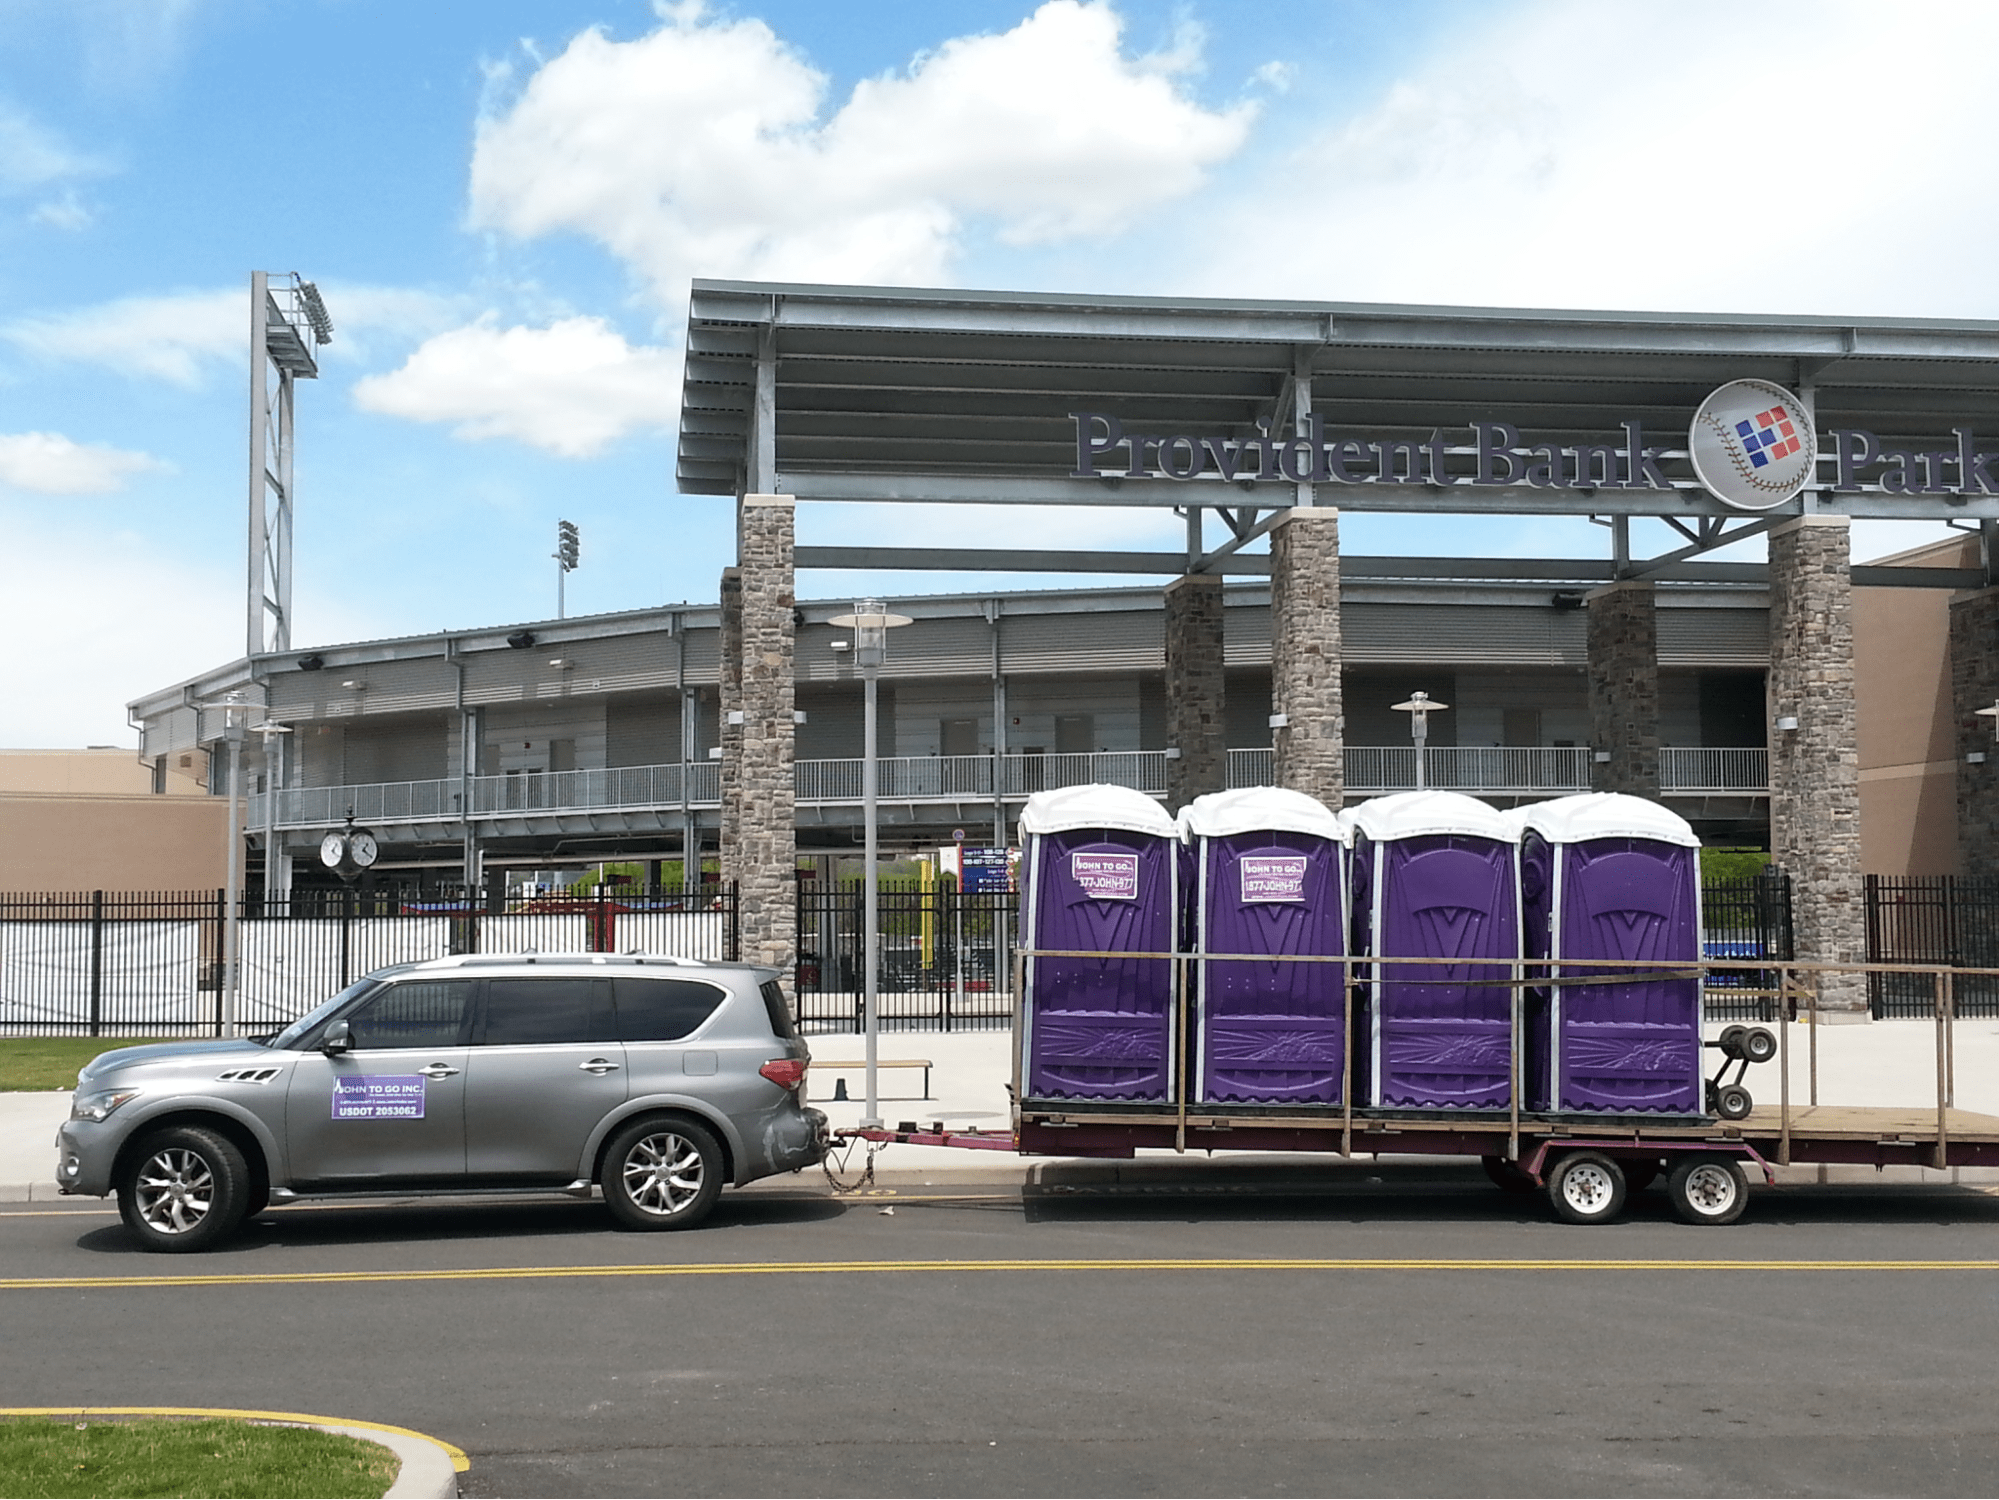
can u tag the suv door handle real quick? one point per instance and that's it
(598, 1065)
(438, 1070)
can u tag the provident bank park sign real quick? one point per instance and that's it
(1751, 444)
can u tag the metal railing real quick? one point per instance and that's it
(1370, 769)
(1720, 770)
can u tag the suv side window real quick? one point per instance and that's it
(418, 1013)
(523, 1012)
(781, 1023)
(663, 1010)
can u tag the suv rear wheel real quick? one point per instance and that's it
(184, 1189)
(662, 1174)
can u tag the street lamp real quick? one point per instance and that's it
(1419, 708)
(871, 623)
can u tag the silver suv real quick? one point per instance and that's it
(657, 1079)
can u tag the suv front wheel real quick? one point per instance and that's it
(184, 1189)
(662, 1174)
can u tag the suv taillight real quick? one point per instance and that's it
(785, 1072)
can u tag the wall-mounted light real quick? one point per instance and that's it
(798, 716)
(1788, 723)
(521, 640)
(716, 753)
(1280, 721)
(1601, 757)
(1975, 758)
(567, 664)
(1172, 752)
(736, 716)
(311, 663)
(843, 645)
(354, 685)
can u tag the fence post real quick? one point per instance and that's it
(346, 933)
(733, 897)
(97, 963)
(222, 963)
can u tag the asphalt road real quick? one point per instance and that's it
(1424, 1335)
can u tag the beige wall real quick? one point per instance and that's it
(1908, 767)
(96, 771)
(112, 843)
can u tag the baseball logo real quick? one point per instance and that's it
(1753, 445)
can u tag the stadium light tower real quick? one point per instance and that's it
(568, 551)
(288, 323)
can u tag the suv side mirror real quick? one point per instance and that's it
(339, 1039)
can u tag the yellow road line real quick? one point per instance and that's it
(953, 1267)
(459, 1461)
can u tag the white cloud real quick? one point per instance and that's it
(1574, 154)
(172, 338)
(183, 337)
(703, 148)
(51, 464)
(571, 388)
(65, 211)
(33, 156)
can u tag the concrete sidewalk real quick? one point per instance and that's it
(1883, 1063)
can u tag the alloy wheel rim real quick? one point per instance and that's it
(175, 1191)
(663, 1174)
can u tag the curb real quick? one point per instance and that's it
(430, 1466)
(29, 1192)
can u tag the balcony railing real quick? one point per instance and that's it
(1736, 771)
(1370, 769)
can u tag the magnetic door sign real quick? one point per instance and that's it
(1105, 877)
(379, 1096)
(1273, 877)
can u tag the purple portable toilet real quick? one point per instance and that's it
(1268, 876)
(1435, 876)
(1609, 876)
(1101, 876)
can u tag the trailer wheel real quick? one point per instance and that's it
(1586, 1187)
(1730, 1040)
(1708, 1190)
(1732, 1102)
(1507, 1176)
(1758, 1045)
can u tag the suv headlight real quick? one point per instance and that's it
(99, 1106)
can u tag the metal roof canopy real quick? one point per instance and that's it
(891, 394)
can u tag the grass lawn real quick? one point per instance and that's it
(173, 1456)
(50, 1062)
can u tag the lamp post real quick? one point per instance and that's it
(235, 729)
(1419, 708)
(871, 623)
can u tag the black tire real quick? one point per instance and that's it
(1732, 1102)
(1506, 1175)
(1639, 1175)
(662, 1174)
(183, 1189)
(1731, 1040)
(1758, 1045)
(1708, 1190)
(1586, 1187)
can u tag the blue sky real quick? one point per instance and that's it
(503, 202)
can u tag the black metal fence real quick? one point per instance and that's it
(150, 963)
(1745, 920)
(946, 959)
(1932, 919)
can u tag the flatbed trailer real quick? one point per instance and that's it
(1585, 1164)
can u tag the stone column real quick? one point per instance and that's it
(1974, 684)
(766, 830)
(1305, 653)
(1195, 691)
(729, 693)
(1624, 688)
(1815, 768)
